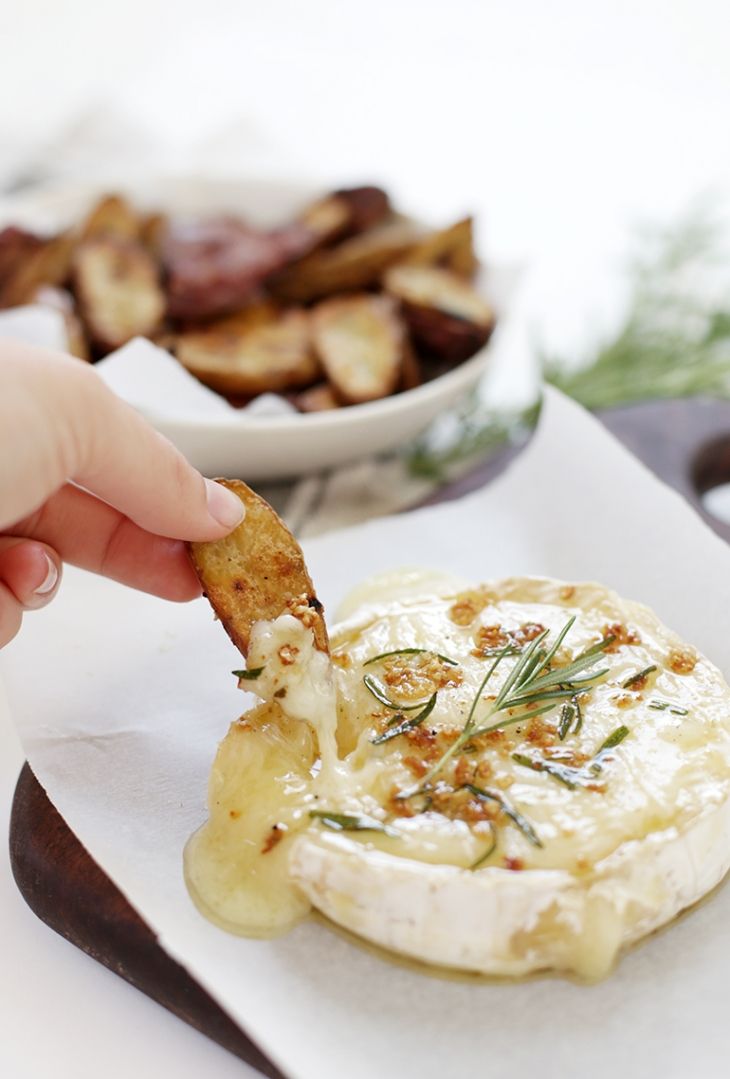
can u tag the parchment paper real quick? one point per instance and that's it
(120, 700)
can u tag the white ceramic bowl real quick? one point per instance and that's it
(259, 447)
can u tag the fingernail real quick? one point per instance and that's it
(50, 580)
(227, 508)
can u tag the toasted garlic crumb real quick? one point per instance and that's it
(682, 661)
(288, 654)
(467, 605)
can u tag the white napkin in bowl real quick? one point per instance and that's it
(152, 380)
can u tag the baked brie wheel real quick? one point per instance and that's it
(527, 775)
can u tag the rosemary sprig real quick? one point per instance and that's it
(566, 774)
(674, 340)
(406, 724)
(635, 679)
(378, 691)
(666, 706)
(530, 681)
(465, 734)
(409, 652)
(248, 676)
(614, 739)
(490, 848)
(487, 794)
(344, 822)
(567, 714)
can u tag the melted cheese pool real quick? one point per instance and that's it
(437, 789)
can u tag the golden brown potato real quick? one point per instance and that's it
(452, 248)
(152, 230)
(320, 398)
(344, 213)
(49, 264)
(111, 216)
(256, 351)
(118, 290)
(62, 301)
(257, 573)
(444, 313)
(16, 245)
(411, 375)
(355, 264)
(361, 342)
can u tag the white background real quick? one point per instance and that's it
(561, 123)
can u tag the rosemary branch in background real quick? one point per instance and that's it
(674, 341)
(675, 337)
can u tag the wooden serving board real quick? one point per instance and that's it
(686, 443)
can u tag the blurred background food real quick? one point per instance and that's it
(345, 303)
(585, 141)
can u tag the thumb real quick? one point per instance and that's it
(29, 570)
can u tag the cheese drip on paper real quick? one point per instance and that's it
(527, 850)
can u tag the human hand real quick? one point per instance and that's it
(84, 480)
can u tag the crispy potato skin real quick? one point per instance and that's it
(259, 350)
(16, 245)
(112, 216)
(356, 263)
(446, 316)
(118, 291)
(361, 343)
(446, 336)
(452, 248)
(49, 264)
(320, 398)
(256, 572)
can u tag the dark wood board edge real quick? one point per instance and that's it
(686, 443)
(56, 876)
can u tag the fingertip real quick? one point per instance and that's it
(225, 507)
(30, 570)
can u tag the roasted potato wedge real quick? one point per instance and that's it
(49, 264)
(152, 231)
(256, 351)
(215, 266)
(451, 248)
(328, 221)
(118, 290)
(444, 313)
(346, 212)
(16, 245)
(257, 573)
(355, 264)
(411, 373)
(62, 301)
(111, 216)
(320, 398)
(361, 342)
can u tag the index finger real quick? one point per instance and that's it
(60, 422)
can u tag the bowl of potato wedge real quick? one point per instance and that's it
(313, 327)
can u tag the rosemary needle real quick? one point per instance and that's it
(492, 846)
(344, 822)
(406, 724)
(378, 691)
(410, 652)
(248, 676)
